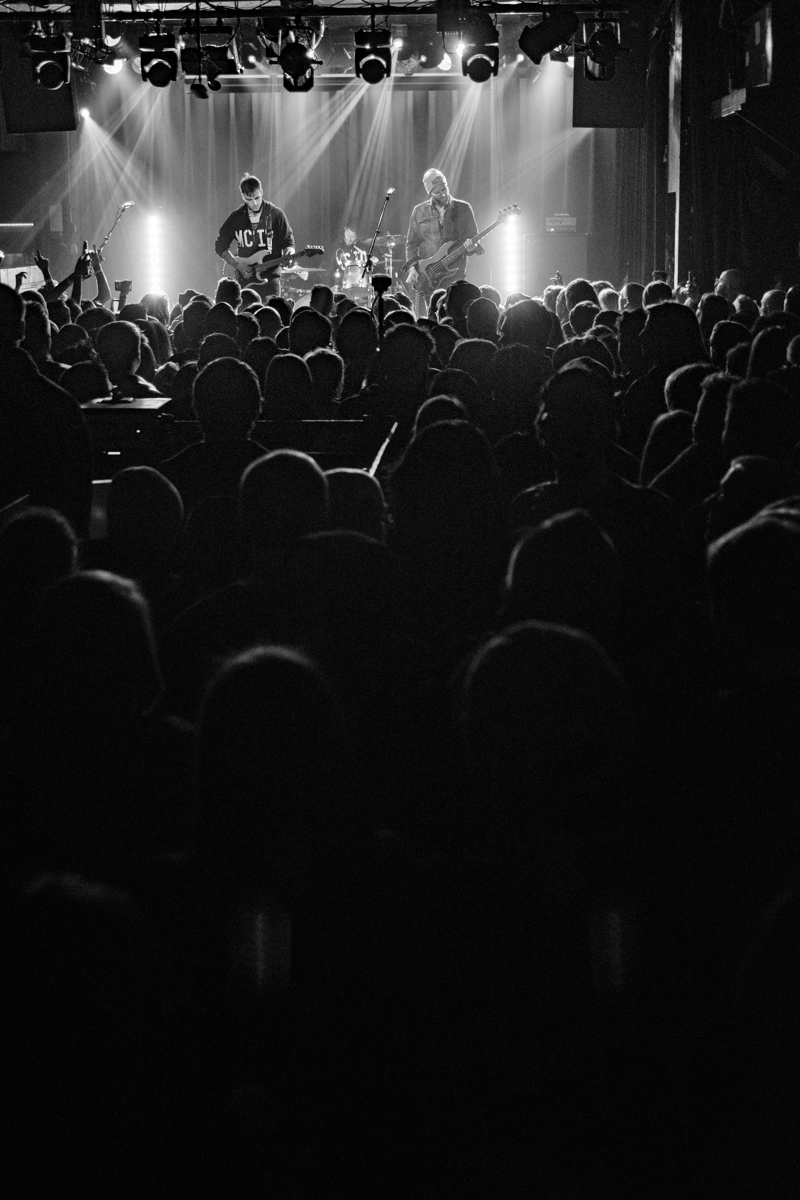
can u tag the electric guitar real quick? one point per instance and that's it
(443, 266)
(254, 268)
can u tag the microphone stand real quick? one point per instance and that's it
(384, 286)
(123, 208)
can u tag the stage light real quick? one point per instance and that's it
(211, 61)
(602, 47)
(480, 57)
(113, 32)
(432, 55)
(298, 63)
(50, 60)
(373, 62)
(85, 113)
(252, 54)
(548, 35)
(114, 64)
(159, 60)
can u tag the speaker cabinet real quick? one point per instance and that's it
(27, 106)
(548, 253)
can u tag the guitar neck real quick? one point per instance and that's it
(459, 250)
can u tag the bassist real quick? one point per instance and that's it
(439, 219)
(257, 227)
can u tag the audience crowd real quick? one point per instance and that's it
(426, 829)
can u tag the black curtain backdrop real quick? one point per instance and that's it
(642, 237)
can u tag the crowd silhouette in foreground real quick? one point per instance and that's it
(430, 831)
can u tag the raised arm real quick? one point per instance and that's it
(103, 297)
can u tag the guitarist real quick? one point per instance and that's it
(256, 226)
(439, 219)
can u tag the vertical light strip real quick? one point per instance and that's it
(511, 260)
(154, 253)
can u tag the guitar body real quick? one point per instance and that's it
(254, 268)
(433, 275)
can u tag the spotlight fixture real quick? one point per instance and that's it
(373, 59)
(159, 59)
(114, 64)
(298, 63)
(432, 55)
(113, 33)
(602, 47)
(480, 54)
(211, 61)
(252, 53)
(50, 60)
(548, 35)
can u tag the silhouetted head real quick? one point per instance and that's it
(567, 572)
(282, 496)
(767, 352)
(228, 291)
(483, 316)
(308, 330)
(756, 420)
(682, 387)
(270, 737)
(227, 399)
(754, 582)
(37, 547)
(574, 422)
(93, 655)
(671, 336)
(356, 501)
(750, 484)
(527, 322)
(288, 389)
(144, 512)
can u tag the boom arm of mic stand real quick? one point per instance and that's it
(376, 234)
(111, 230)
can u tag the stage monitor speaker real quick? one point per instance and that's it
(27, 106)
(618, 103)
(549, 253)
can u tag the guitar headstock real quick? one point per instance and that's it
(513, 210)
(309, 252)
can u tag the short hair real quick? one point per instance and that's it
(119, 342)
(656, 292)
(283, 496)
(218, 345)
(221, 319)
(227, 397)
(249, 184)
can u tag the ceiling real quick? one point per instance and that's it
(177, 10)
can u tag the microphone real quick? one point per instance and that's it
(390, 193)
(129, 204)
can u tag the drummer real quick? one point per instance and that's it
(350, 259)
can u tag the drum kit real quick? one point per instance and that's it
(349, 274)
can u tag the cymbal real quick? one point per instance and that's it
(389, 239)
(305, 270)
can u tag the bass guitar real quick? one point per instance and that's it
(254, 268)
(443, 266)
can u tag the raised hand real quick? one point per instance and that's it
(42, 263)
(96, 258)
(20, 277)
